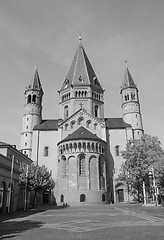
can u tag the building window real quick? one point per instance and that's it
(79, 121)
(82, 198)
(117, 150)
(46, 151)
(25, 144)
(34, 98)
(62, 198)
(82, 165)
(72, 124)
(29, 99)
(96, 110)
(88, 123)
(133, 96)
(66, 127)
(95, 126)
(26, 127)
(66, 112)
(127, 97)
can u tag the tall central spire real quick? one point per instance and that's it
(81, 72)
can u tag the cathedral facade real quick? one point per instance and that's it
(82, 147)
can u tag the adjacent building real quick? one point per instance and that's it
(10, 161)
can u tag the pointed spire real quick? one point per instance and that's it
(128, 80)
(81, 72)
(35, 83)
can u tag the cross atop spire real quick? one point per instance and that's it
(126, 63)
(80, 39)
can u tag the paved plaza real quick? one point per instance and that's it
(114, 222)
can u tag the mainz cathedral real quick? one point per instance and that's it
(82, 148)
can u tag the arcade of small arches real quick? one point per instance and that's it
(81, 94)
(81, 146)
(79, 122)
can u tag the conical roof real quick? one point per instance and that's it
(128, 80)
(81, 72)
(81, 133)
(35, 83)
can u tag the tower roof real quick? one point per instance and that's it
(35, 83)
(81, 133)
(81, 72)
(128, 80)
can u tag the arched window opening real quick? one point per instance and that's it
(84, 146)
(88, 123)
(34, 98)
(96, 147)
(117, 150)
(133, 96)
(62, 198)
(75, 146)
(70, 146)
(96, 110)
(82, 198)
(46, 151)
(95, 126)
(66, 127)
(79, 121)
(88, 146)
(79, 146)
(76, 94)
(82, 165)
(72, 124)
(93, 147)
(29, 99)
(66, 112)
(85, 93)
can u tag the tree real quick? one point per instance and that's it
(141, 156)
(35, 178)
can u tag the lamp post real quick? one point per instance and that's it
(11, 180)
(153, 185)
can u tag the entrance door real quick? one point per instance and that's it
(120, 194)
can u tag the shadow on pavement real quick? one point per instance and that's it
(12, 224)
(13, 228)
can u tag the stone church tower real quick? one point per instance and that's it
(131, 105)
(82, 167)
(32, 112)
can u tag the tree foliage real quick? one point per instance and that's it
(36, 178)
(141, 156)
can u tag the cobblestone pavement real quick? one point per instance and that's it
(112, 222)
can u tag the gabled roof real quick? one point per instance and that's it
(47, 125)
(81, 72)
(35, 83)
(81, 110)
(116, 123)
(81, 133)
(128, 80)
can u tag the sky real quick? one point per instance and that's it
(44, 33)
